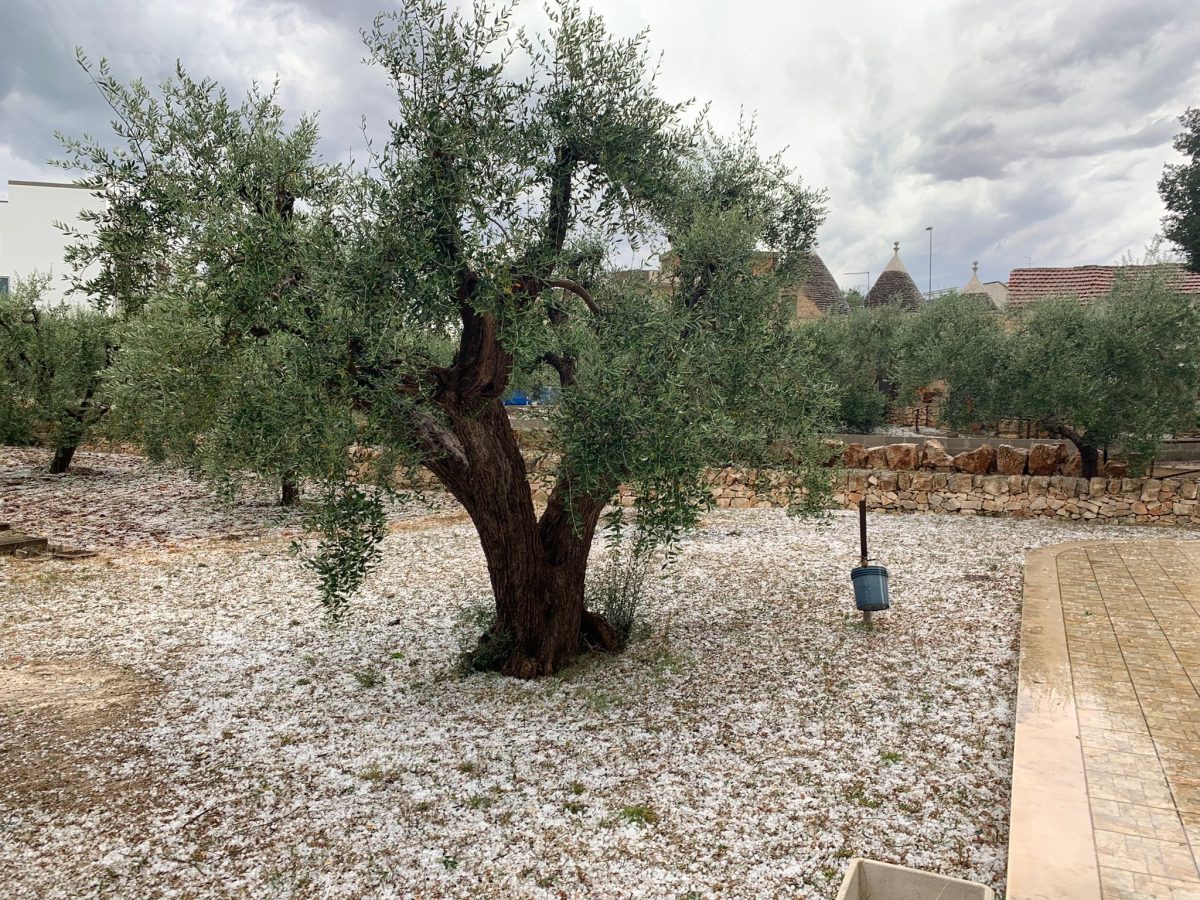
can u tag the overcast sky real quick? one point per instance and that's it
(1026, 130)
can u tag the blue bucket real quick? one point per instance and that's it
(870, 588)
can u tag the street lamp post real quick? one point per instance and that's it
(929, 228)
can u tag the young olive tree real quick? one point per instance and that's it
(860, 353)
(958, 341)
(199, 228)
(1119, 371)
(51, 364)
(394, 307)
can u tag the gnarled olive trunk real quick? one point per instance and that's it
(61, 461)
(1089, 456)
(536, 565)
(289, 489)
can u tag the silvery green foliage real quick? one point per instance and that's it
(281, 311)
(1120, 371)
(51, 357)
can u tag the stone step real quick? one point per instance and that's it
(13, 541)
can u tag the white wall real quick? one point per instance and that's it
(29, 240)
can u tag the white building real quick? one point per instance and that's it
(30, 241)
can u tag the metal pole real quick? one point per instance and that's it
(930, 230)
(862, 530)
(862, 543)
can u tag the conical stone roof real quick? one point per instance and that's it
(820, 287)
(975, 289)
(895, 285)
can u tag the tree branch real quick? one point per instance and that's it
(575, 288)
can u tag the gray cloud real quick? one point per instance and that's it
(1018, 130)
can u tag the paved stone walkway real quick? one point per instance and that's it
(1106, 774)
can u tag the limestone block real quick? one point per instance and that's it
(877, 458)
(1011, 460)
(902, 457)
(854, 456)
(995, 485)
(934, 456)
(1044, 459)
(979, 461)
(959, 484)
(1072, 465)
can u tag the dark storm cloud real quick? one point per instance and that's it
(1025, 129)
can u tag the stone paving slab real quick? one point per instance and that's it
(1106, 769)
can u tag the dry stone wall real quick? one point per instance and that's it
(933, 482)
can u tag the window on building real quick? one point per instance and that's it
(3, 284)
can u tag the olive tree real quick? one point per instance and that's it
(860, 353)
(1121, 370)
(957, 340)
(395, 305)
(51, 362)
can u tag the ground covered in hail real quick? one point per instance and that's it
(181, 720)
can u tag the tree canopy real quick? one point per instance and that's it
(284, 311)
(1180, 191)
(51, 364)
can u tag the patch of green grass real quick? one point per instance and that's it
(374, 772)
(844, 853)
(301, 682)
(890, 756)
(368, 678)
(480, 801)
(638, 814)
(858, 794)
(468, 768)
(450, 863)
(599, 700)
(574, 806)
(576, 787)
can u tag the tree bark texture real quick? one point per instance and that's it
(61, 460)
(1089, 456)
(289, 490)
(536, 566)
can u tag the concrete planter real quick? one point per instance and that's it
(870, 880)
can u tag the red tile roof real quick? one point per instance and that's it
(1085, 282)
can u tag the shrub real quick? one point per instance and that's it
(616, 588)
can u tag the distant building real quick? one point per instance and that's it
(895, 285)
(29, 239)
(1087, 283)
(813, 295)
(818, 293)
(998, 291)
(976, 290)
